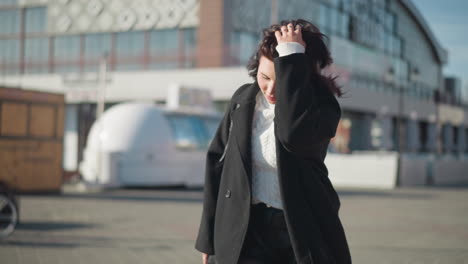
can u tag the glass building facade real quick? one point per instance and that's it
(27, 47)
(381, 49)
(368, 26)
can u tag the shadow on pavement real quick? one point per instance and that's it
(50, 226)
(195, 195)
(385, 194)
(19, 243)
(181, 195)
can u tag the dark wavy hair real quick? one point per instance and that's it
(316, 50)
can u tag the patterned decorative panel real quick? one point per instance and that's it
(78, 16)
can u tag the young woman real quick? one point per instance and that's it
(267, 196)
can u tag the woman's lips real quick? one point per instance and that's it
(271, 98)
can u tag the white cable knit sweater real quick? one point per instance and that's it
(265, 186)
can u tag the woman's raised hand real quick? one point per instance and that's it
(289, 34)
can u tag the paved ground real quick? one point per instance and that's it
(407, 225)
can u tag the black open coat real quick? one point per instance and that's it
(306, 117)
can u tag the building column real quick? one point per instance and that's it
(366, 132)
(461, 139)
(412, 135)
(387, 128)
(447, 139)
(361, 126)
(431, 143)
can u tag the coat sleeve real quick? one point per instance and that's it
(213, 168)
(304, 116)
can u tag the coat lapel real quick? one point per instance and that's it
(242, 118)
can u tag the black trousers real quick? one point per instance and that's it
(267, 239)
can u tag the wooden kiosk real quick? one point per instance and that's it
(31, 140)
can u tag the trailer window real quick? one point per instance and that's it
(211, 126)
(189, 132)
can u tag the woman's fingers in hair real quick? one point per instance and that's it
(278, 35)
(288, 34)
(298, 29)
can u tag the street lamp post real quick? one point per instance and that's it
(401, 131)
(100, 101)
(437, 98)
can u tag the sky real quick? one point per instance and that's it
(448, 20)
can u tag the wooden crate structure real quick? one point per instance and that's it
(31, 139)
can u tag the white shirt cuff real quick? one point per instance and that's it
(286, 48)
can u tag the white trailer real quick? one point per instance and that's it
(143, 144)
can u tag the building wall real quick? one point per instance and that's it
(417, 50)
(211, 34)
(71, 36)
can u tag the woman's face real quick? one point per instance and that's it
(266, 79)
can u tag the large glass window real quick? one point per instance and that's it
(335, 21)
(9, 21)
(381, 37)
(359, 7)
(190, 47)
(67, 48)
(36, 55)
(346, 5)
(129, 44)
(164, 49)
(35, 20)
(248, 44)
(96, 46)
(378, 14)
(129, 50)
(190, 40)
(211, 125)
(243, 46)
(344, 25)
(9, 56)
(164, 42)
(234, 48)
(335, 3)
(397, 47)
(324, 18)
(66, 53)
(8, 2)
(390, 22)
(388, 39)
(9, 51)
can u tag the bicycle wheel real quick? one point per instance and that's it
(8, 215)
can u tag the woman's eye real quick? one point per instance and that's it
(266, 78)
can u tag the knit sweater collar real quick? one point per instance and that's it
(264, 102)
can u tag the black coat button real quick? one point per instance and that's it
(228, 194)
